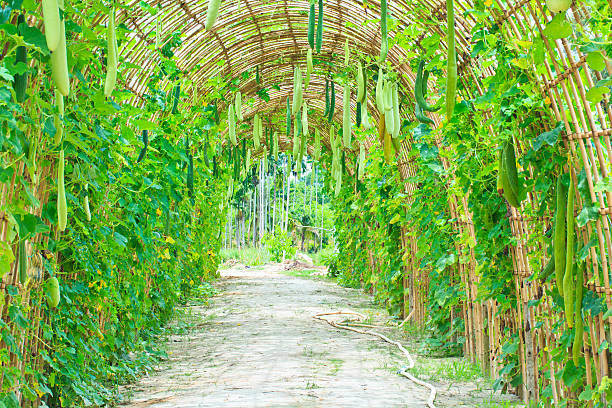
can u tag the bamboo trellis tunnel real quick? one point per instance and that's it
(270, 36)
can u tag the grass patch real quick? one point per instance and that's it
(308, 274)
(250, 256)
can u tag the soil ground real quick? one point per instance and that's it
(257, 345)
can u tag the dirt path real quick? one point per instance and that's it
(258, 346)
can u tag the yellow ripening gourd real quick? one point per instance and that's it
(62, 207)
(112, 57)
(52, 23)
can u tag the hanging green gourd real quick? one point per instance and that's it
(579, 335)
(275, 143)
(145, 141)
(248, 159)
(380, 91)
(176, 96)
(256, 134)
(360, 83)
(559, 237)
(297, 91)
(238, 106)
(52, 292)
(62, 207)
(231, 121)
(112, 57)
(361, 170)
(288, 119)
(384, 44)
(365, 118)
(211, 15)
(20, 83)
(332, 102)
(568, 278)
(388, 104)
(58, 119)
(396, 115)
(52, 23)
(311, 24)
(326, 112)
(346, 116)
(86, 204)
(347, 53)
(317, 145)
(451, 67)
(305, 119)
(309, 67)
(420, 88)
(319, 39)
(59, 60)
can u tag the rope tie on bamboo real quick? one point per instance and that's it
(355, 321)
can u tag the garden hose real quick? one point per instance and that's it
(355, 322)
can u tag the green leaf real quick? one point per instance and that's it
(603, 346)
(596, 94)
(586, 395)
(588, 213)
(34, 38)
(571, 374)
(6, 258)
(596, 60)
(558, 28)
(603, 185)
(549, 137)
(145, 124)
(29, 225)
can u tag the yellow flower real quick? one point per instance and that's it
(158, 212)
(488, 3)
(547, 101)
(191, 282)
(170, 240)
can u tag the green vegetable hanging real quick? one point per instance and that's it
(559, 237)
(311, 25)
(451, 67)
(320, 27)
(211, 15)
(112, 57)
(568, 278)
(384, 44)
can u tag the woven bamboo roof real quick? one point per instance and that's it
(272, 35)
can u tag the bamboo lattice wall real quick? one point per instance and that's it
(272, 35)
